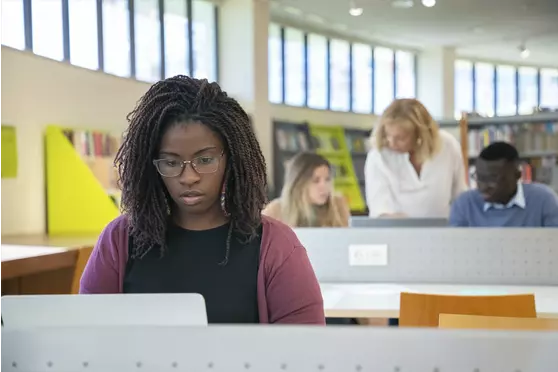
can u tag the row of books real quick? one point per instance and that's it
(93, 143)
(528, 138)
(296, 140)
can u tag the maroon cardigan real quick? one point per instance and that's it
(288, 291)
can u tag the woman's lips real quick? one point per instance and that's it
(192, 200)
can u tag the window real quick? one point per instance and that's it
(405, 75)
(340, 76)
(484, 89)
(463, 87)
(317, 71)
(506, 92)
(383, 79)
(147, 38)
(275, 64)
(83, 33)
(528, 90)
(204, 48)
(176, 38)
(362, 78)
(549, 88)
(47, 29)
(294, 67)
(116, 37)
(13, 29)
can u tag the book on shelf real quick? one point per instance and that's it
(98, 150)
(357, 143)
(292, 140)
(530, 139)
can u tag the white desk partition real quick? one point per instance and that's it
(276, 348)
(433, 255)
(103, 310)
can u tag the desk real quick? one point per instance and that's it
(377, 300)
(38, 264)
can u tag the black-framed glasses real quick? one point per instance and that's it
(174, 167)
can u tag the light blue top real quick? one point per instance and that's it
(534, 205)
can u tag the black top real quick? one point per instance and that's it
(191, 265)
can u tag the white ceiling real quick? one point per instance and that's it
(483, 29)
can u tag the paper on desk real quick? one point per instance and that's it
(18, 252)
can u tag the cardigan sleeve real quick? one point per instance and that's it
(292, 290)
(102, 271)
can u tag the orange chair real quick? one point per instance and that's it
(495, 322)
(423, 310)
(81, 261)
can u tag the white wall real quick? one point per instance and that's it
(37, 91)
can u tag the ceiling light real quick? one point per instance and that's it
(525, 53)
(429, 3)
(403, 4)
(355, 10)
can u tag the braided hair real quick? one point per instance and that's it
(145, 199)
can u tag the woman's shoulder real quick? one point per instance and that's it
(278, 240)
(273, 209)
(114, 236)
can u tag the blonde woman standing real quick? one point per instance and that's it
(414, 169)
(307, 198)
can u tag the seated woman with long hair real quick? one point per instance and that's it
(307, 198)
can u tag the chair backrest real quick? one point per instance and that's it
(81, 261)
(103, 310)
(423, 310)
(496, 322)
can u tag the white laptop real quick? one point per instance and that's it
(103, 310)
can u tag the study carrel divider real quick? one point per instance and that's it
(77, 203)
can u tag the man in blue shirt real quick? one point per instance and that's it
(501, 200)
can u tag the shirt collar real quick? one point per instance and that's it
(518, 200)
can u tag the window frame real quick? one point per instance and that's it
(131, 5)
(351, 43)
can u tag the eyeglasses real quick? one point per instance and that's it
(490, 180)
(174, 168)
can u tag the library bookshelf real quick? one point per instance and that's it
(82, 192)
(535, 137)
(344, 148)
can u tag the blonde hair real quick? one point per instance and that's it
(411, 114)
(296, 208)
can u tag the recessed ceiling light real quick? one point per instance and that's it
(525, 53)
(355, 12)
(354, 9)
(402, 4)
(429, 3)
(293, 10)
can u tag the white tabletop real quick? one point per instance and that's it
(378, 300)
(18, 252)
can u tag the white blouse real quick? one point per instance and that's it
(393, 185)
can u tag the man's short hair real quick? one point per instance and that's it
(499, 151)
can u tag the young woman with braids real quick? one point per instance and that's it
(193, 182)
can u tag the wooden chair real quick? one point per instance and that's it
(81, 261)
(423, 310)
(496, 322)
